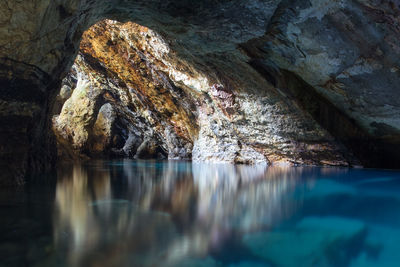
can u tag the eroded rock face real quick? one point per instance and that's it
(122, 104)
(342, 55)
(348, 51)
(223, 116)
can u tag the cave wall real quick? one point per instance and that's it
(346, 50)
(223, 111)
(40, 40)
(122, 104)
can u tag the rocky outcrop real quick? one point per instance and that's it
(122, 103)
(126, 68)
(269, 78)
(348, 53)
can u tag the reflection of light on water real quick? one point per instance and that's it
(73, 214)
(234, 199)
(174, 210)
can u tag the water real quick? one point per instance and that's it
(147, 213)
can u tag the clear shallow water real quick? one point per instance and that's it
(144, 213)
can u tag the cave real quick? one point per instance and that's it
(270, 88)
(331, 101)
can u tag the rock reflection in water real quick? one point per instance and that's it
(144, 213)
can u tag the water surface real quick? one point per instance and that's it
(149, 213)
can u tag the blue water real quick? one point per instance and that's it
(148, 213)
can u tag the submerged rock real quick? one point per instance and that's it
(249, 264)
(314, 241)
(206, 262)
(325, 187)
(383, 250)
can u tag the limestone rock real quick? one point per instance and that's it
(348, 53)
(289, 81)
(223, 123)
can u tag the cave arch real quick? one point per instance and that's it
(40, 39)
(118, 99)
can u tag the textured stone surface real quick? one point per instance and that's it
(335, 59)
(225, 118)
(122, 104)
(348, 51)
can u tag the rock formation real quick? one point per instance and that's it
(121, 104)
(348, 53)
(277, 81)
(126, 68)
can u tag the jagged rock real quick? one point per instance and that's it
(284, 78)
(348, 53)
(232, 129)
(102, 133)
(134, 121)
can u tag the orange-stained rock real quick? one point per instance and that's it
(164, 104)
(122, 103)
(296, 69)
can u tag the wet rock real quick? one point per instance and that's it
(148, 150)
(382, 247)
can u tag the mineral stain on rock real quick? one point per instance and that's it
(293, 82)
(134, 97)
(122, 104)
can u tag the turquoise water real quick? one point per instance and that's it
(147, 213)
